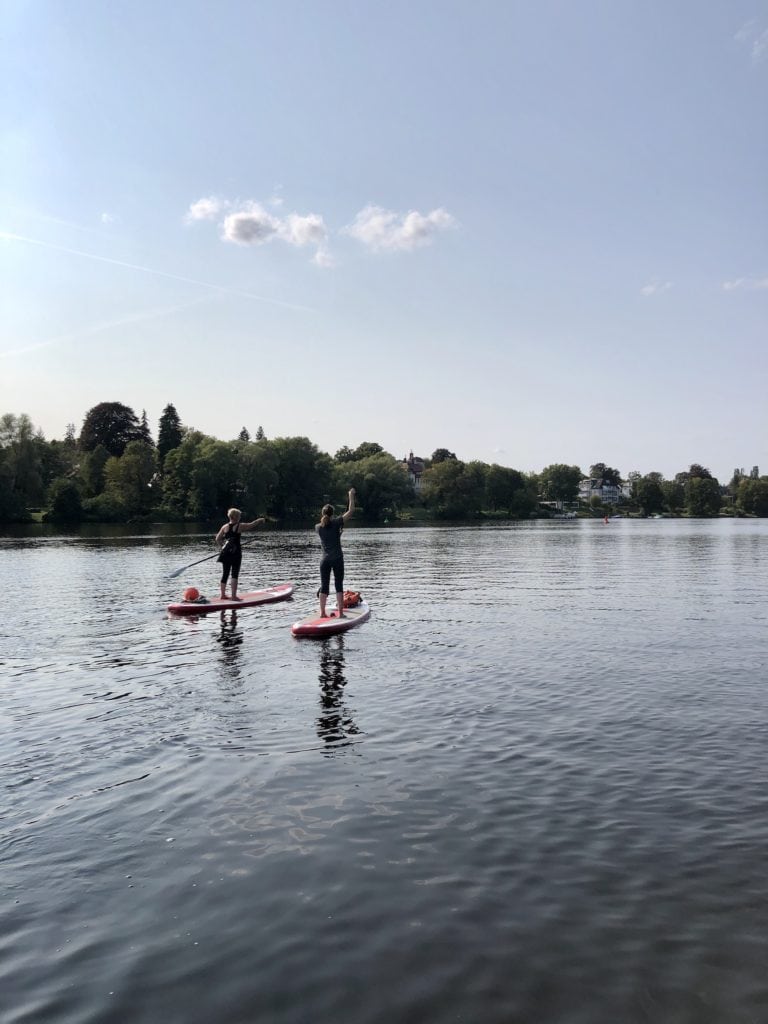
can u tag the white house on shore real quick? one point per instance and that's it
(609, 494)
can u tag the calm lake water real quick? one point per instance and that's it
(532, 789)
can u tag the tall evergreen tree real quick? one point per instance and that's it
(144, 431)
(244, 435)
(169, 432)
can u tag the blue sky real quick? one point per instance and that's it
(530, 232)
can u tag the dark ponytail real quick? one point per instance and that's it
(327, 512)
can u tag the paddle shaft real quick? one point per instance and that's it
(178, 572)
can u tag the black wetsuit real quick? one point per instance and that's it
(333, 556)
(231, 554)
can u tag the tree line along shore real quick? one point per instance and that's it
(115, 471)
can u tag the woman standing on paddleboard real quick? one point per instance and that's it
(231, 553)
(329, 531)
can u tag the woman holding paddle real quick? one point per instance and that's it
(231, 554)
(329, 531)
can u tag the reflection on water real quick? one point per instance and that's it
(335, 725)
(230, 640)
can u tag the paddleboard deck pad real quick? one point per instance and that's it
(317, 627)
(248, 599)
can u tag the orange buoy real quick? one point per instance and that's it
(191, 594)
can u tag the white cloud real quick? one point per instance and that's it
(655, 287)
(379, 229)
(298, 230)
(760, 46)
(252, 225)
(249, 223)
(323, 258)
(107, 218)
(207, 208)
(746, 284)
(750, 34)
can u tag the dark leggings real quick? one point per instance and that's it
(326, 566)
(234, 565)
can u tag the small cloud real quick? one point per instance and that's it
(380, 229)
(298, 230)
(655, 287)
(324, 259)
(252, 225)
(751, 284)
(107, 218)
(207, 208)
(756, 38)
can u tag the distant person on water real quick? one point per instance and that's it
(329, 531)
(231, 554)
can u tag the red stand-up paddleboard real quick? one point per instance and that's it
(317, 627)
(248, 599)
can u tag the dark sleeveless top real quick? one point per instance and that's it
(231, 541)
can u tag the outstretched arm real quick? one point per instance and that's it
(253, 525)
(347, 515)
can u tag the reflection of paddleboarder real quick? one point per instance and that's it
(231, 553)
(335, 725)
(329, 531)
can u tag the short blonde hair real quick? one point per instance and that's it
(234, 513)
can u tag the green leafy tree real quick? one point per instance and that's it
(363, 451)
(304, 477)
(560, 482)
(257, 475)
(11, 506)
(674, 494)
(648, 494)
(381, 483)
(92, 469)
(169, 433)
(178, 475)
(260, 435)
(215, 479)
(129, 478)
(702, 496)
(65, 503)
(244, 435)
(454, 489)
(752, 495)
(605, 473)
(344, 454)
(368, 448)
(111, 424)
(442, 455)
(23, 448)
(509, 491)
(57, 459)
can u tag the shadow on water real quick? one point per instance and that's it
(335, 725)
